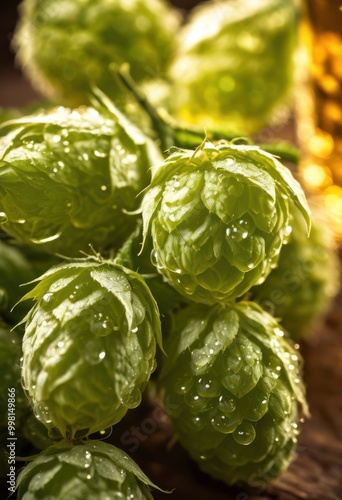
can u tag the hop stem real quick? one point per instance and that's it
(172, 133)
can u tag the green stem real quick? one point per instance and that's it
(172, 133)
(162, 129)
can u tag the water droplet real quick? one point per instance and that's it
(56, 138)
(227, 404)
(42, 412)
(238, 230)
(224, 424)
(133, 399)
(193, 400)
(245, 433)
(134, 330)
(198, 422)
(208, 387)
(85, 156)
(183, 385)
(47, 299)
(3, 217)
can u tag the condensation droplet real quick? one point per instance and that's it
(3, 217)
(244, 434)
(133, 399)
(227, 404)
(208, 387)
(224, 424)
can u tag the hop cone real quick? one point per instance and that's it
(68, 177)
(89, 345)
(301, 289)
(232, 387)
(218, 217)
(92, 470)
(234, 63)
(67, 47)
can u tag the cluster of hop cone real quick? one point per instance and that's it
(139, 239)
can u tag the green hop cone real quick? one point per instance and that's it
(67, 47)
(232, 389)
(300, 290)
(68, 178)
(234, 63)
(218, 217)
(10, 386)
(89, 345)
(91, 470)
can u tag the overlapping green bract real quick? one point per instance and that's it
(68, 178)
(89, 345)
(234, 64)
(65, 47)
(300, 290)
(218, 217)
(92, 470)
(232, 389)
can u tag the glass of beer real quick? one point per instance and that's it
(319, 104)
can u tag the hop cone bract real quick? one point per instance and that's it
(92, 470)
(234, 63)
(300, 290)
(232, 387)
(89, 345)
(218, 217)
(67, 47)
(68, 178)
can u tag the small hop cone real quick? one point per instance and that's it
(91, 470)
(234, 64)
(301, 289)
(233, 387)
(89, 345)
(69, 177)
(65, 49)
(218, 217)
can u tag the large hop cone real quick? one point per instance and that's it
(89, 345)
(232, 388)
(300, 290)
(234, 64)
(68, 178)
(218, 217)
(67, 47)
(91, 470)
